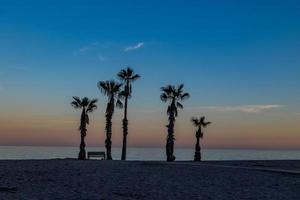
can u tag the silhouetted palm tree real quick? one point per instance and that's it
(173, 95)
(127, 76)
(111, 89)
(199, 123)
(87, 106)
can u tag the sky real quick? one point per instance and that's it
(239, 60)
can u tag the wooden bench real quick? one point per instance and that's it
(98, 154)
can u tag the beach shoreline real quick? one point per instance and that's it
(95, 179)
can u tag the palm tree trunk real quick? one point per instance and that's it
(125, 130)
(197, 156)
(108, 127)
(82, 153)
(108, 136)
(170, 139)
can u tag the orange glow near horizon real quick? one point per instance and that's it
(148, 130)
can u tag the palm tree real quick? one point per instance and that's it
(199, 123)
(111, 89)
(173, 95)
(87, 106)
(127, 76)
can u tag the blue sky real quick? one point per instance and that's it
(229, 54)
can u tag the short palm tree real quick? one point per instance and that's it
(111, 89)
(87, 106)
(127, 76)
(173, 95)
(199, 123)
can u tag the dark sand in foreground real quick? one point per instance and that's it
(91, 179)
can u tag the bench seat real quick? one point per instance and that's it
(96, 154)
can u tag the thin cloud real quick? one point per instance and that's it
(135, 47)
(242, 108)
(86, 48)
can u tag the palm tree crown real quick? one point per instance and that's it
(127, 76)
(112, 90)
(200, 123)
(173, 95)
(86, 104)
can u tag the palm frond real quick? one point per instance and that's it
(91, 108)
(115, 87)
(184, 96)
(202, 119)
(92, 105)
(127, 75)
(180, 87)
(85, 101)
(135, 77)
(104, 87)
(122, 95)
(202, 122)
(122, 74)
(75, 104)
(164, 97)
(93, 101)
(129, 72)
(119, 104)
(77, 99)
(179, 105)
(109, 88)
(195, 121)
(205, 124)
(168, 89)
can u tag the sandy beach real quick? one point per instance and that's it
(94, 179)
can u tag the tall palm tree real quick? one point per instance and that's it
(173, 95)
(199, 123)
(87, 106)
(127, 76)
(111, 89)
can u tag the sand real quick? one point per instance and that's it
(93, 179)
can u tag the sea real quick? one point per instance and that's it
(158, 154)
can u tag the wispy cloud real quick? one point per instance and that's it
(135, 47)
(86, 48)
(242, 108)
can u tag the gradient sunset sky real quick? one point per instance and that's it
(240, 61)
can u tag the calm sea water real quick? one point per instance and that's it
(29, 152)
